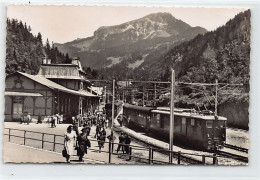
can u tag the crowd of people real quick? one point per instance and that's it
(80, 141)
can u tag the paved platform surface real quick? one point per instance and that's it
(25, 154)
(32, 152)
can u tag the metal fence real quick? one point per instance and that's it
(147, 153)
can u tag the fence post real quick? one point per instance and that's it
(9, 135)
(215, 160)
(54, 142)
(179, 157)
(203, 159)
(130, 153)
(170, 156)
(42, 140)
(150, 155)
(112, 146)
(109, 151)
(24, 134)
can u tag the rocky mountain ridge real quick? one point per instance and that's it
(130, 41)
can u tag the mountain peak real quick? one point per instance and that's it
(160, 16)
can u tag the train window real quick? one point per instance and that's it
(192, 122)
(183, 121)
(209, 124)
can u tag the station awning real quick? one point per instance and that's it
(13, 93)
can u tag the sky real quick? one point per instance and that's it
(62, 24)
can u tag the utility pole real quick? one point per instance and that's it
(143, 95)
(154, 94)
(105, 94)
(216, 116)
(216, 99)
(112, 125)
(172, 115)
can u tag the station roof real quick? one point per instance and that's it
(12, 93)
(62, 71)
(140, 108)
(52, 85)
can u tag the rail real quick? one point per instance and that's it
(180, 156)
(236, 148)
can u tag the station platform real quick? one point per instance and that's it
(15, 153)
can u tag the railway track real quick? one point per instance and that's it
(236, 148)
(232, 156)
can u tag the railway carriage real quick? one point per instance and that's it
(137, 116)
(117, 107)
(200, 131)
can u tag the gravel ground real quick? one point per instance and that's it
(237, 137)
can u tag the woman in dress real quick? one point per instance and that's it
(70, 143)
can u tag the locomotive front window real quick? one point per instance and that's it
(209, 124)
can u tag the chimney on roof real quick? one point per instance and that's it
(76, 61)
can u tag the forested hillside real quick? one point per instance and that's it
(223, 54)
(25, 52)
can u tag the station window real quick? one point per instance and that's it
(209, 124)
(192, 122)
(183, 121)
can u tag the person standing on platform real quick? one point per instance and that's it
(73, 119)
(22, 118)
(69, 142)
(39, 119)
(121, 143)
(101, 141)
(83, 144)
(28, 118)
(97, 130)
(52, 122)
(127, 143)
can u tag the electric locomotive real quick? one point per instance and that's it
(191, 128)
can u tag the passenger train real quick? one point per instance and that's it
(117, 108)
(193, 129)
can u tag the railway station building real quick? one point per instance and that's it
(57, 88)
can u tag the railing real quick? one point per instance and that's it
(180, 156)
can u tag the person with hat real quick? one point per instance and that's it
(83, 144)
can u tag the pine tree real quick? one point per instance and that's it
(47, 47)
(39, 37)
